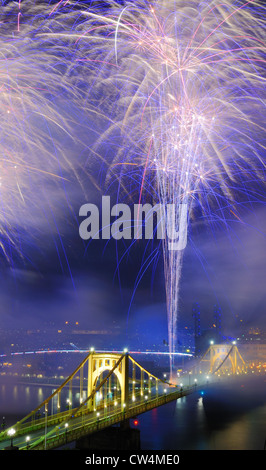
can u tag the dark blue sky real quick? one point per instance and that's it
(227, 268)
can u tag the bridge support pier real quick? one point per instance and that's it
(124, 425)
(112, 438)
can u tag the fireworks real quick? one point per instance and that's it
(36, 127)
(180, 85)
(172, 91)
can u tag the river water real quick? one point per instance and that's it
(211, 419)
(230, 416)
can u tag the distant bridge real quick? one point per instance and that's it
(222, 358)
(113, 388)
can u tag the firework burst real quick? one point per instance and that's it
(36, 125)
(172, 90)
(180, 87)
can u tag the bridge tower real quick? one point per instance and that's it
(223, 357)
(99, 363)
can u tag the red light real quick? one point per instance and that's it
(136, 422)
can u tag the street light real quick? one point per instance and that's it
(11, 432)
(98, 418)
(66, 426)
(28, 441)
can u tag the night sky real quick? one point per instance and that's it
(59, 277)
(74, 282)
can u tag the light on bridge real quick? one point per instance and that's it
(11, 432)
(28, 441)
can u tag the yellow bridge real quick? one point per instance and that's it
(113, 388)
(222, 358)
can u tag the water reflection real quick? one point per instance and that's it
(209, 420)
(15, 392)
(246, 433)
(40, 395)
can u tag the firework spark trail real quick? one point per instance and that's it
(187, 76)
(36, 127)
